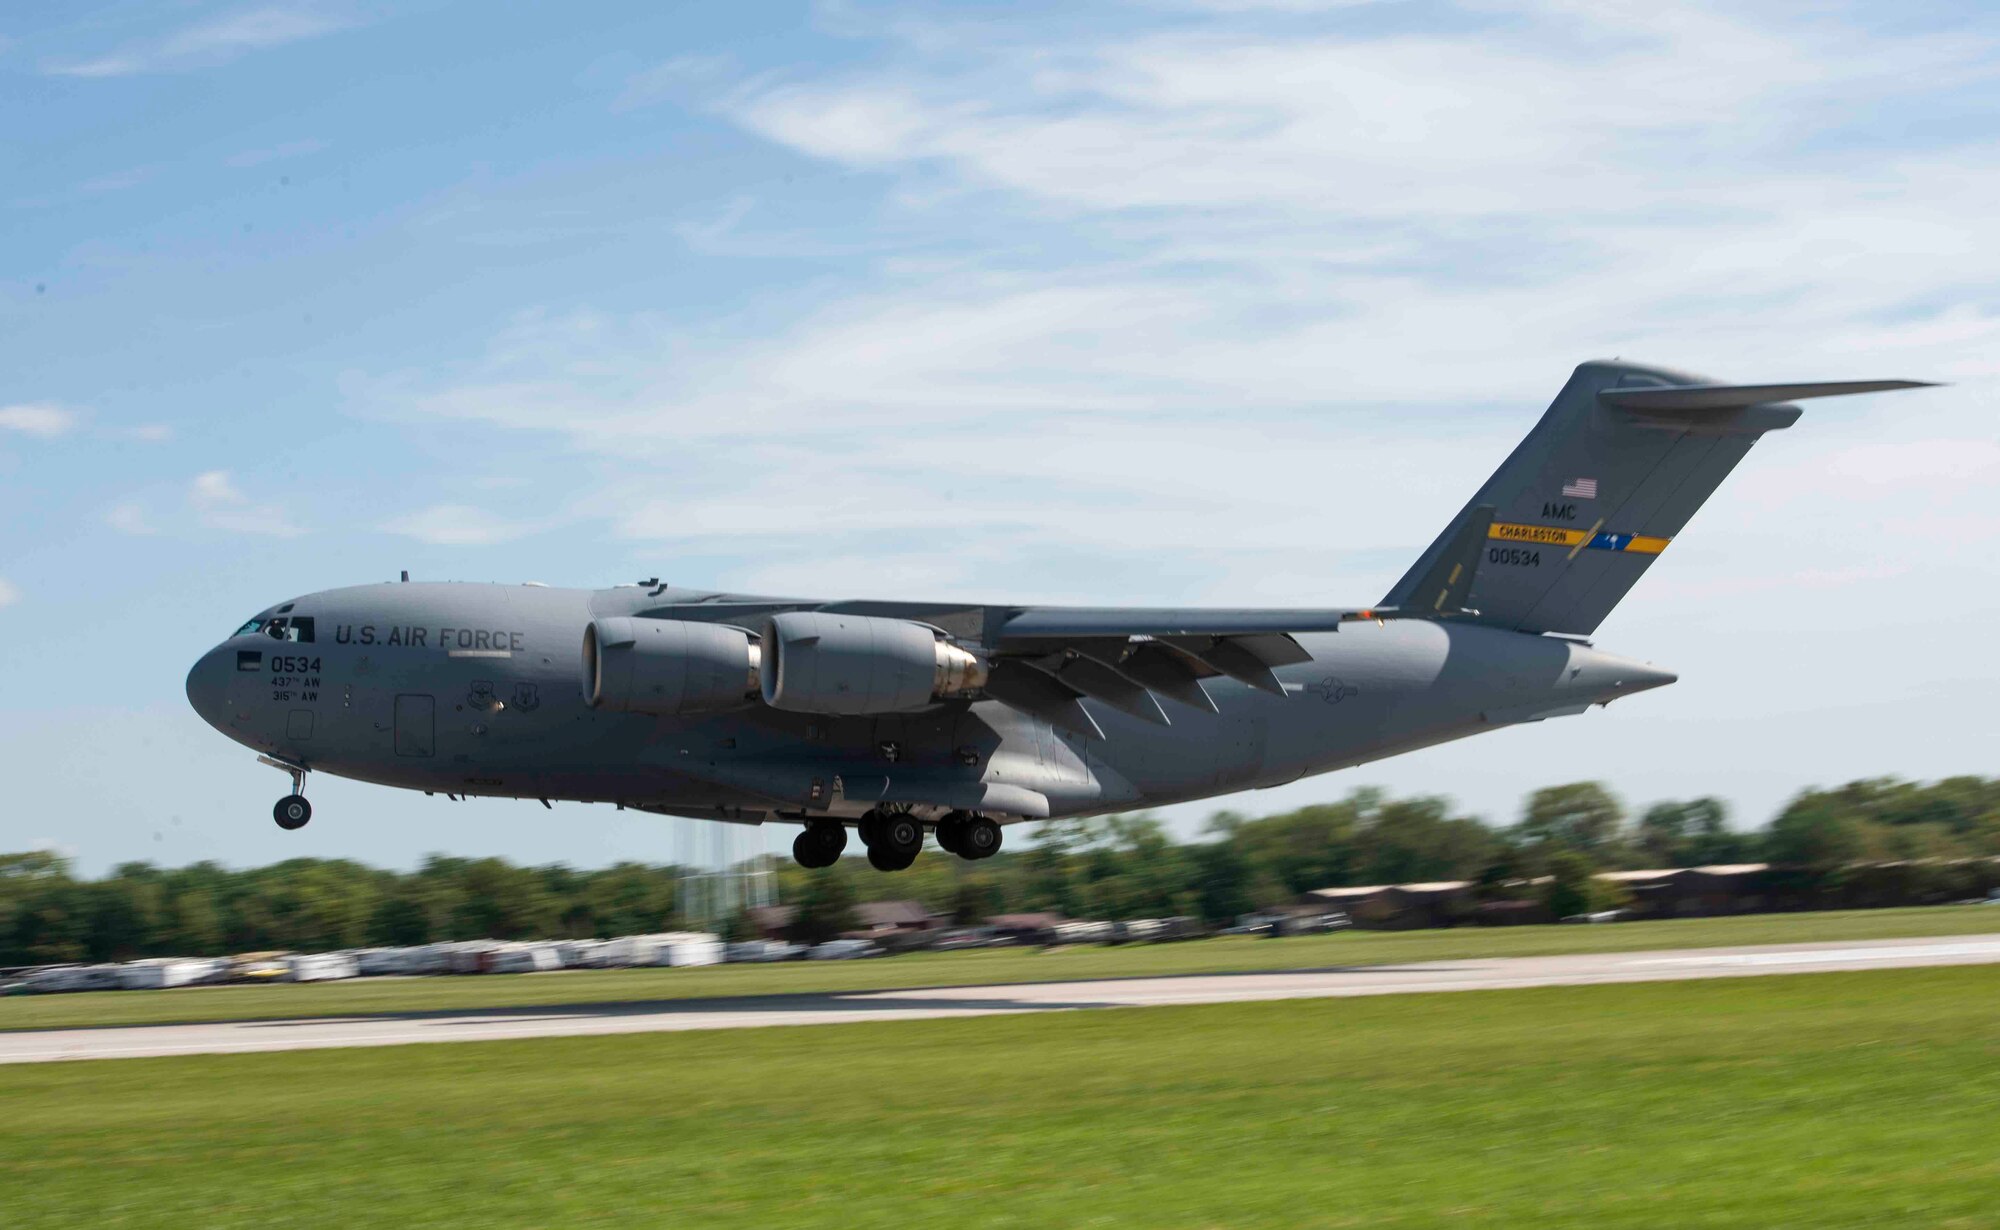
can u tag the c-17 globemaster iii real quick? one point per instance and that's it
(895, 718)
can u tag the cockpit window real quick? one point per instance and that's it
(297, 629)
(250, 627)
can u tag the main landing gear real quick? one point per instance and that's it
(969, 836)
(820, 843)
(292, 811)
(894, 839)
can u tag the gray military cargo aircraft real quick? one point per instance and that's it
(900, 717)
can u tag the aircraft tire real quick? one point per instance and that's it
(868, 827)
(292, 812)
(979, 838)
(951, 832)
(882, 858)
(899, 834)
(809, 851)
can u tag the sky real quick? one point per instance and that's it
(1184, 302)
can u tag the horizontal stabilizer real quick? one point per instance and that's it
(1696, 397)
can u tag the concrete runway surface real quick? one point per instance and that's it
(930, 1003)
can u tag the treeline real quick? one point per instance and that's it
(1109, 867)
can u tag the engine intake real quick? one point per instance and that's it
(818, 662)
(667, 666)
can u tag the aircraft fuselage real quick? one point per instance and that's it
(478, 689)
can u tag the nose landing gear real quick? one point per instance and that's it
(292, 811)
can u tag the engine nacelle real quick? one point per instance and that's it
(818, 662)
(667, 666)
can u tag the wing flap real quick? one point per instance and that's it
(1232, 658)
(1160, 669)
(1100, 682)
(1022, 687)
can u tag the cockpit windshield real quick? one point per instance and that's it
(297, 629)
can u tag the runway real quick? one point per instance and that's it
(937, 1003)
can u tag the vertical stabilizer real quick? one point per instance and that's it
(1598, 490)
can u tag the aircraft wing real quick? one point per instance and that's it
(1045, 659)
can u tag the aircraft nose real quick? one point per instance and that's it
(208, 686)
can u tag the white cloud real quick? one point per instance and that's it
(214, 489)
(275, 153)
(209, 43)
(677, 76)
(219, 504)
(42, 419)
(456, 525)
(129, 518)
(8, 594)
(148, 433)
(100, 185)
(1266, 306)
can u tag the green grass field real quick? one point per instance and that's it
(1822, 1100)
(992, 966)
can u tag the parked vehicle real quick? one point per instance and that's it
(957, 939)
(760, 951)
(1311, 924)
(155, 973)
(54, 978)
(523, 959)
(1601, 916)
(319, 966)
(844, 950)
(259, 967)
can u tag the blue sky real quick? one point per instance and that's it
(1192, 301)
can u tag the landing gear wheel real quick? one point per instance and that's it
(979, 838)
(901, 835)
(951, 832)
(819, 845)
(866, 827)
(292, 812)
(882, 858)
(806, 851)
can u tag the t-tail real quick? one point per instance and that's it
(1594, 494)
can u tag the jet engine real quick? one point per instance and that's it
(820, 662)
(667, 666)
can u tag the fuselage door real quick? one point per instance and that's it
(416, 725)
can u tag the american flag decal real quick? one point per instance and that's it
(1581, 489)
